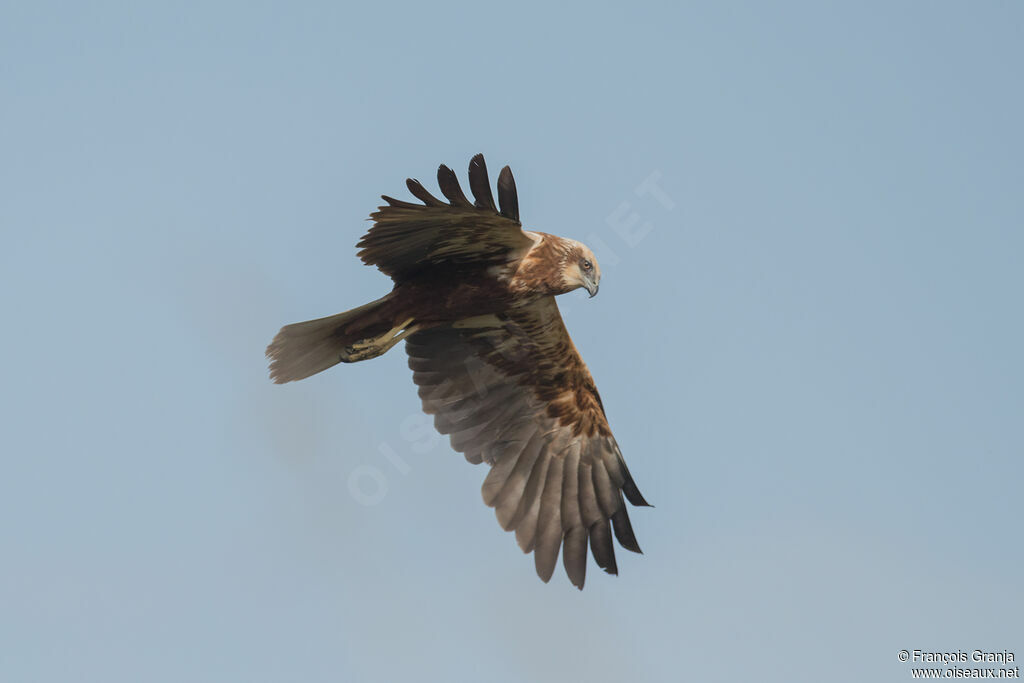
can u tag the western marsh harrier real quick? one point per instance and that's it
(474, 301)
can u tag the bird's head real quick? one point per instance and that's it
(580, 269)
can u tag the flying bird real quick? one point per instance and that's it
(474, 301)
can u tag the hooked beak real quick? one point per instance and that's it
(591, 287)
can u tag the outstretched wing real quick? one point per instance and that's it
(514, 392)
(408, 237)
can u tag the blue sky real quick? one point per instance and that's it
(807, 340)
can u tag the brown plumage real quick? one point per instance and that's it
(474, 301)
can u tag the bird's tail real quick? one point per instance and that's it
(303, 349)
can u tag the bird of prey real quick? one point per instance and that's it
(474, 301)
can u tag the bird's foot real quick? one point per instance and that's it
(371, 347)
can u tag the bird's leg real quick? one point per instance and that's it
(372, 347)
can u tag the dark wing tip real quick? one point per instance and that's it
(449, 183)
(421, 193)
(397, 202)
(624, 530)
(507, 197)
(633, 494)
(479, 184)
(602, 547)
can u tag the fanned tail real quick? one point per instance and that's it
(304, 349)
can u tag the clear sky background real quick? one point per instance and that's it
(808, 341)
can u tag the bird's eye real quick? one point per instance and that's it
(587, 265)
